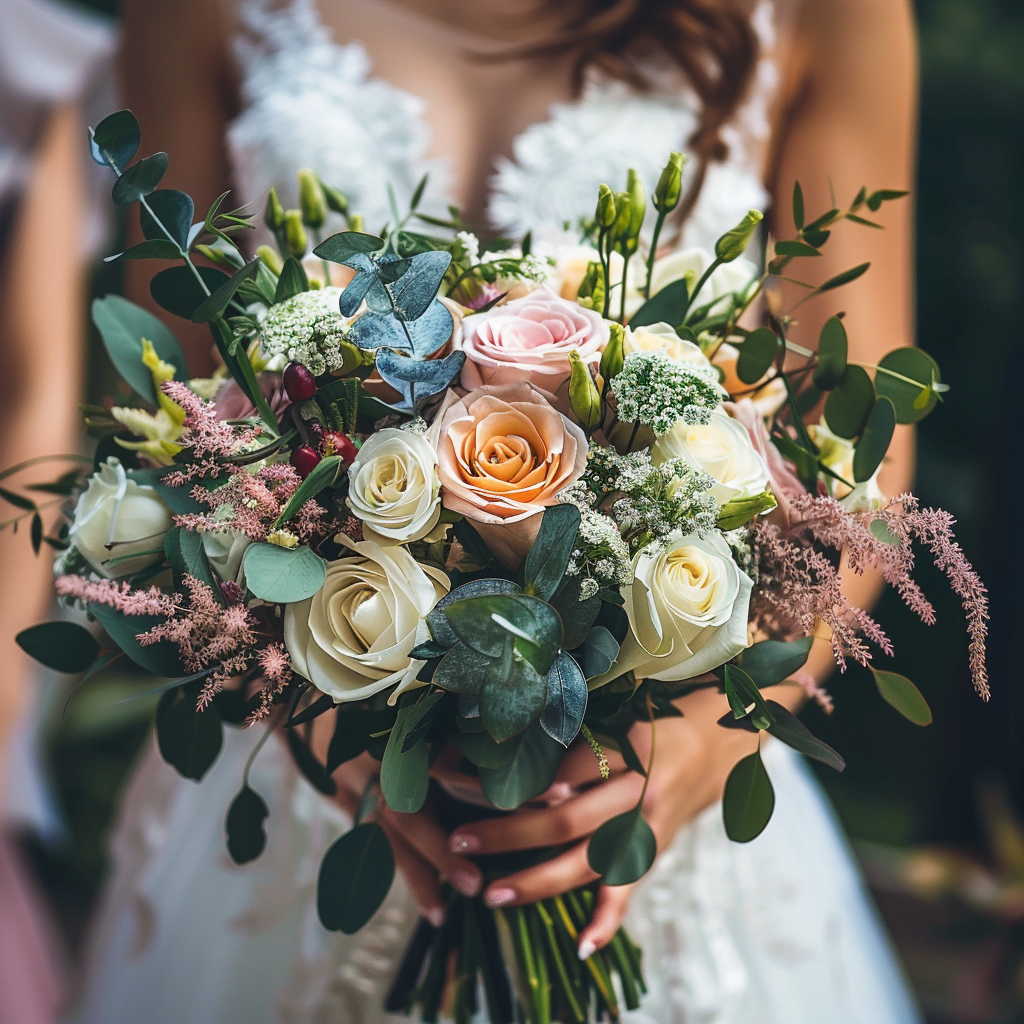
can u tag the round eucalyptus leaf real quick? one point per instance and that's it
(850, 402)
(246, 837)
(343, 244)
(62, 646)
(904, 696)
(176, 289)
(567, 699)
(911, 392)
(527, 774)
(283, 575)
(549, 555)
(355, 877)
(139, 180)
(770, 662)
(623, 849)
(169, 213)
(832, 354)
(748, 800)
(874, 442)
(189, 739)
(115, 140)
(757, 353)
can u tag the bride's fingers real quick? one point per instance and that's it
(610, 909)
(419, 876)
(550, 826)
(567, 871)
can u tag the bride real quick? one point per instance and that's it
(519, 111)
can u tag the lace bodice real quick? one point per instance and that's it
(309, 101)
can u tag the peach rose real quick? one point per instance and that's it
(503, 454)
(529, 340)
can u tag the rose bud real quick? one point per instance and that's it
(299, 382)
(305, 460)
(336, 443)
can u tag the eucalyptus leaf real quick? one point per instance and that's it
(246, 836)
(798, 206)
(904, 696)
(745, 698)
(189, 739)
(549, 555)
(527, 774)
(832, 354)
(417, 379)
(757, 354)
(187, 556)
(305, 760)
(795, 249)
(427, 711)
(422, 337)
(176, 289)
(340, 246)
(168, 213)
(152, 249)
(359, 287)
(483, 750)
(405, 774)
(493, 624)
(139, 180)
(668, 306)
(283, 575)
(355, 878)
(417, 288)
(597, 653)
(913, 397)
(791, 731)
(162, 659)
(748, 800)
(216, 303)
(115, 140)
(577, 616)
(850, 402)
(440, 630)
(293, 280)
(773, 661)
(512, 697)
(874, 441)
(623, 849)
(844, 278)
(566, 701)
(62, 646)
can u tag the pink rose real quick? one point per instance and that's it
(503, 455)
(231, 403)
(529, 339)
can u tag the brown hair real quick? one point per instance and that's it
(711, 41)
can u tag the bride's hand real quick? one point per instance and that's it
(693, 758)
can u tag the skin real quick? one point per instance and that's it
(846, 114)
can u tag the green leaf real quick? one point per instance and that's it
(417, 288)
(187, 556)
(668, 306)
(152, 249)
(244, 826)
(355, 878)
(306, 761)
(171, 209)
(874, 442)
(795, 249)
(292, 281)
(832, 354)
(162, 659)
(17, 500)
(745, 698)
(495, 624)
(139, 180)
(623, 849)
(773, 661)
(283, 575)
(880, 531)
(36, 532)
(757, 353)
(62, 646)
(844, 278)
(216, 303)
(325, 474)
(597, 653)
(189, 739)
(549, 556)
(512, 697)
(904, 696)
(798, 206)
(315, 709)
(405, 774)
(115, 140)
(791, 731)
(123, 325)
(748, 800)
(883, 195)
(427, 711)
(850, 402)
(567, 700)
(914, 397)
(527, 774)
(339, 247)
(176, 289)
(483, 750)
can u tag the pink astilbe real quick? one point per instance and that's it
(118, 596)
(277, 674)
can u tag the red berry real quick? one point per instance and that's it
(305, 460)
(299, 382)
(336, 443)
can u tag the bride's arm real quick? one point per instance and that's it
(848, 117)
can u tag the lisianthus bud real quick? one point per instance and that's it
(605, 207)
(305, 460)
(312, 201)
(738, 511)
(584, 398)
(733, 243)
(294, 233)
(669, 188)
(273, 214)
(336, 200)
(299, 383)
(355, 222)
(623, 217)
(637, 202)
(270, 259)
(611, 359)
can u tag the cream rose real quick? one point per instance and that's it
(662, 338)
(687, 608)
(117, 517)
(722, 448)
(353, 638)
(224, 549)
(503, 455)
(529, 340)
(393, 485)
(728, 278)
(837, 453)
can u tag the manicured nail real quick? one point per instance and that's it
(586, 949)
(466, 881)
(464, 843)
(499, 897)
(435, 915)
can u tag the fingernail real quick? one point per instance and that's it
(435, 915)
(586, 950)
(466, 881)
(464, 843)
(499, 897)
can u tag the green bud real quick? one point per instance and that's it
(217, 256)
(619, 231)
(355, 222)
(637, 202)
(335, 199)
(294, 233)
(738, 511)
(670, 184)
(605, 207)
(611, 360)
(584, 398)
(592, 285)
(312, 200)
(270, 259)
(273, 214)
(733, 243)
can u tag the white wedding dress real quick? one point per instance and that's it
(778, 931)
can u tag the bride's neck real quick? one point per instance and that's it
(508, 21)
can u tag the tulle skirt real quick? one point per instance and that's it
(777, 931)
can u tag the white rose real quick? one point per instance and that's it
(837, 453)
(353, 638)
(393, 485)
(687, 606)
(721, 448)
(728, 278)
(117, 517)
(662, 337)
(224, 549)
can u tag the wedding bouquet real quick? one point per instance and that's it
(485, 496)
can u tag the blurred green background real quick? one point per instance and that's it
(904, 787)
